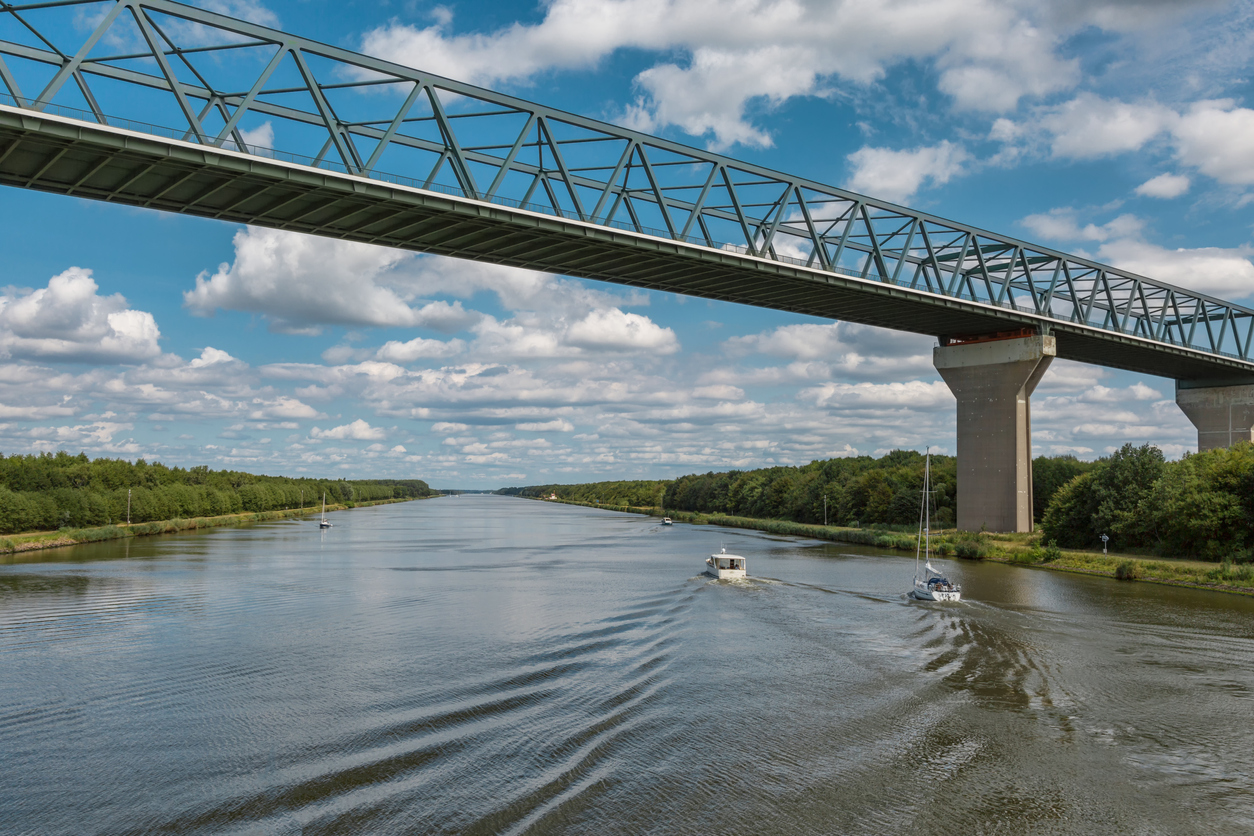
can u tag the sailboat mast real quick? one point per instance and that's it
(927, 506)
(922, 527)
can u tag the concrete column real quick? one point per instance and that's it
(993, 380)
(1223, 414)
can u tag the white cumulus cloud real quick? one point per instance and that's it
(1226, 272)
(1214, 138)
(303, 282)
(722, 56)
(358, 430)
(1165, 186)
(68, 320)
(897, 175)
(1090, 126)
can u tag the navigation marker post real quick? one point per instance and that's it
(1104, 538)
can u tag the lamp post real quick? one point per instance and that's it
(1104, 538)
(128, 506)
(825, 510)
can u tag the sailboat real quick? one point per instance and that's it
(324, 522)
(932, 585)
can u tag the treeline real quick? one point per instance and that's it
(639, 494)
(856, 491)
(1201, 506)
(52, 491)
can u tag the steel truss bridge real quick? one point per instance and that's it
(155, 104)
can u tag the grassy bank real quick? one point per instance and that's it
(35, 540)
(1017, 549)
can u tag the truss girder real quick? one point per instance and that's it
(385, 124)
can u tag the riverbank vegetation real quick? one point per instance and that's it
(1187, 522)
(856, 491)
(55, 492)
(1200, 506)
(17, 544)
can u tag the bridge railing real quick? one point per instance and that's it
(144, 65)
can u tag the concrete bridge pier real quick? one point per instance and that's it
(1222, 410)
(993, 378)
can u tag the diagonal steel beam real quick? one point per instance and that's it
(386, 139)
(243, 106)
(68, 68)
(6, 77)
(547, 137)
(329, 119)
(460, 169)
(146, 27)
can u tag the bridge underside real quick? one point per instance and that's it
(69, 157)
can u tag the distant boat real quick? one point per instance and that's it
(667, 521)
(932, 585)
(324, 523)
(724, 565)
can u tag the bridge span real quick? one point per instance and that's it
(164, 106)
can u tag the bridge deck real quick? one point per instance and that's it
(52, 153)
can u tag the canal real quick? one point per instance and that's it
(483, 665)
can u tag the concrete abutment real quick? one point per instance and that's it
(993, 380)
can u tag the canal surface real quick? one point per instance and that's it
(489, 665)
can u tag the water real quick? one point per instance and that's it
(494, 665)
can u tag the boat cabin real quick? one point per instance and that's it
(724, 565)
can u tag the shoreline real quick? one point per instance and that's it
(1023, 550)
(16, 544)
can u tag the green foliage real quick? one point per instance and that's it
(972, 549)
(1069, 518)
(638, 494)
(47, 492)
(858, 490)
(1128, 570)
(1122, 483)
(872, 491)
(1205, 503)
(1201, 506)
(1227, 572)
(1049, 474)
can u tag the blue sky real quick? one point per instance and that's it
(1120, 130)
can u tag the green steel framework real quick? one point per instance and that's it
(403, 158)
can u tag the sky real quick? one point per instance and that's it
(1120, 130)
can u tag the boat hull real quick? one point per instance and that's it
(712, 569)
(924, 593)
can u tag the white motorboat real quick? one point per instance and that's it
(932, 585)
(724, 565)
(667, 521)
(324, 522)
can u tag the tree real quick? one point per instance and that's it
(1048, 475)
(1069, 517)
